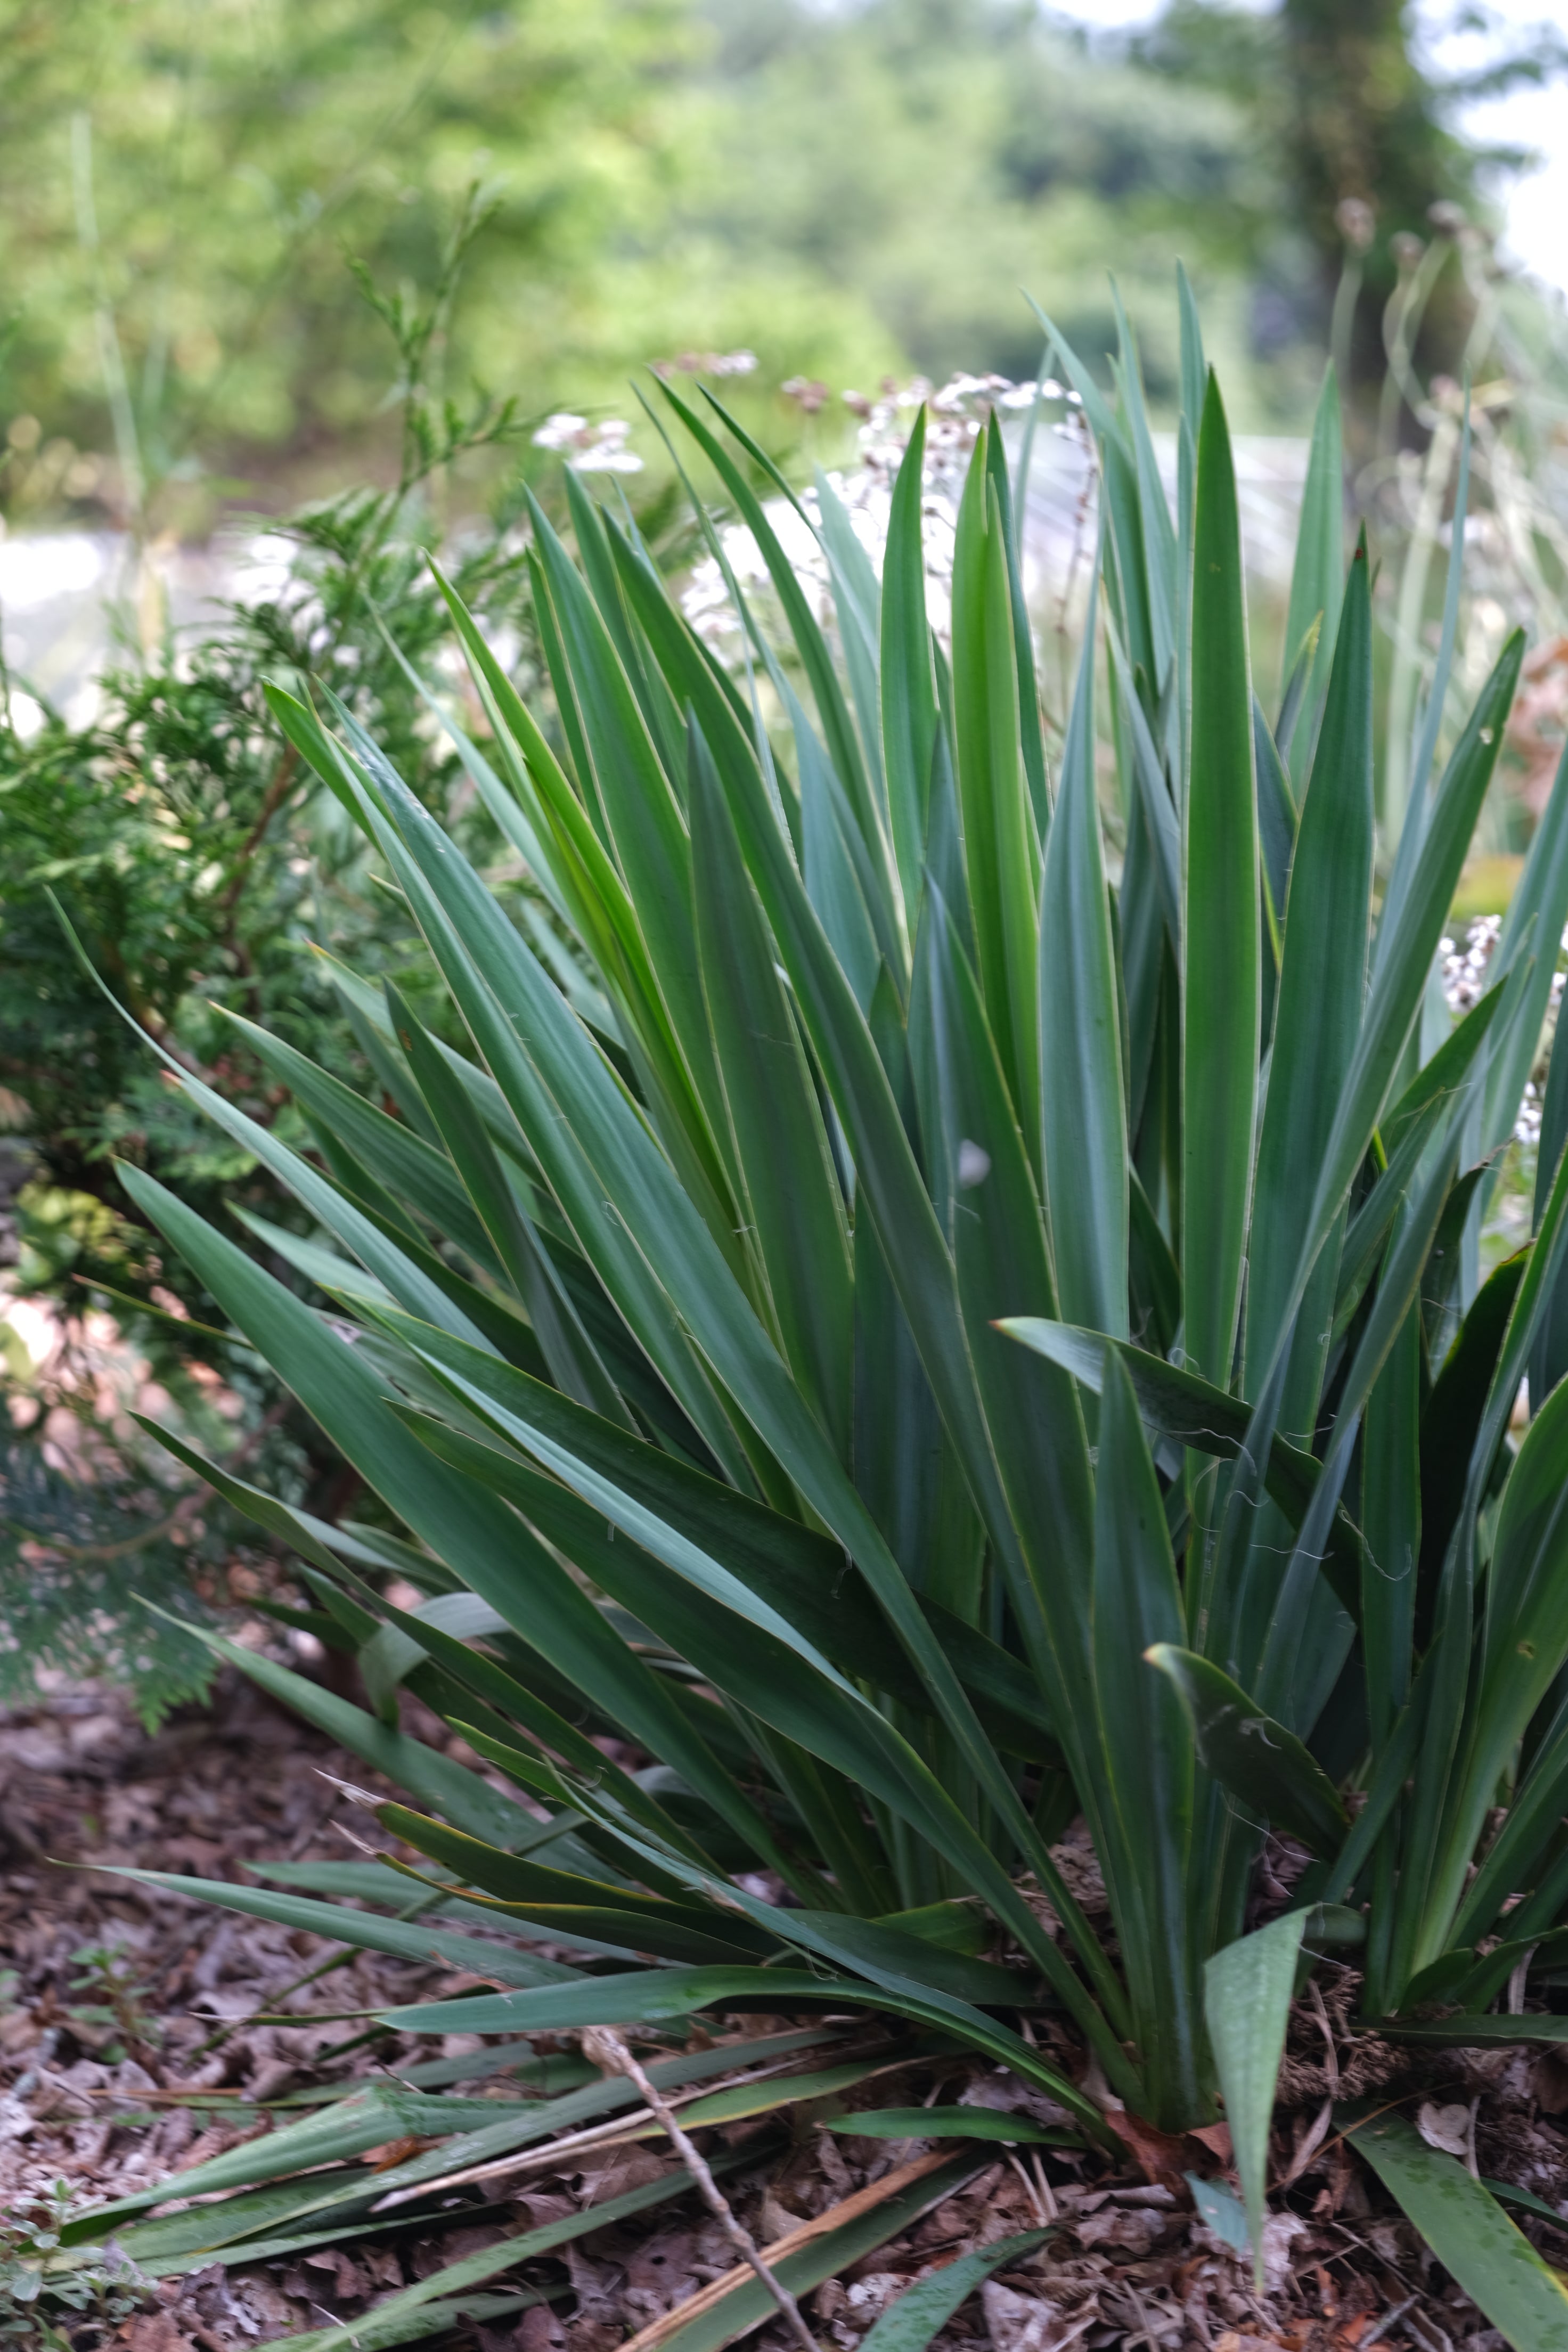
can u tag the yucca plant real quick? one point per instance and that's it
(922, 1342)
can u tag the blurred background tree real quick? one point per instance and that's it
(179, 189)
(1367, 167)
(933, 156)
(847, 190)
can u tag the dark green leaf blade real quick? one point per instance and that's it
(1219, 1068)
(1266, 1769)
(1083, 1102)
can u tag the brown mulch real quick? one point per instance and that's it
(94, 2052)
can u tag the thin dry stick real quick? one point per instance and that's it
(707, 2299)
(602, 2048)
(1031, 2192)
(1325, 2027)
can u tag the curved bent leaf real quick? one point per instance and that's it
(1265, 1768)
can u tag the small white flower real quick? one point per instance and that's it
(607, 457)
(561, 431)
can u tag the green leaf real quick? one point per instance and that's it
(408, 1763)
(1322, 981)
(434, 2302)
(1162, 825)
(1145, 1833)
(1083, 1101)
(350, 2193)
(372, 2333)
(1534, 923)
(1404, 952)
(1155, 527)
(857, 599)
(1484, 2032)
(914, 2317)
(1276, 821)
(457, 1515)
(413, 1171)
(1222, 2211)
(1494, 2263)
(1000, 848)
(762, 2097)
(948, 2122)
(1189, 1411)
(789, 1191)
(366, 2118)
(364, 1931)
(1219, 1063)
(844, 749)
(648, 1995)
(1390, 1524)
(1317, 579)
(1523, 2198)
(1269, 1772)
(1247, 2005)
(648, 837)
(1031, 733)
(1524, 1628)
(1451, 1422)
(568, 1350)
(799, 1573)
(908, 683)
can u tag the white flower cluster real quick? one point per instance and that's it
(1465, 971)
(956, 415)
(708, 363)
(590, 449)
(1465, 968)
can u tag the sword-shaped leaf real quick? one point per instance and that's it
(1219, 1051)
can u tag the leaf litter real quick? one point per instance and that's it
(140, 2036)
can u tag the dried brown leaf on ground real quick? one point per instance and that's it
(1127, 2260)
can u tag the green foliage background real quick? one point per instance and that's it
(843, 190)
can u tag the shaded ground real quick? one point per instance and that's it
(129, 2051)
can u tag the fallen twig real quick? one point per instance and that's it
(890, 2185)
(604, 2048)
